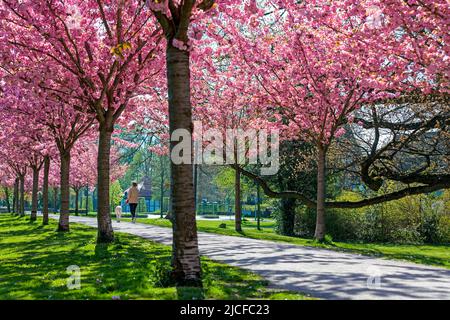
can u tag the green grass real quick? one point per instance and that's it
(34, 260)
(437, 255)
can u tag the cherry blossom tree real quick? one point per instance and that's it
(225, 107)
(8, 181)
(317, 62)
(84, 169)
(303, 67)
(106, 51)
(52, 117)
(12, 154)
(183, 22)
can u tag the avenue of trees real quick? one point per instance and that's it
(357, 89)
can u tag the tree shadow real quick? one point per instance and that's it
(35, 262)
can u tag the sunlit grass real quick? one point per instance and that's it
(34, 261)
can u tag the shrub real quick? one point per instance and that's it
(415, 219)
(305, 222)
(160, 273)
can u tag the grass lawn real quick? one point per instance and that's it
(34, 260)
(437, 255)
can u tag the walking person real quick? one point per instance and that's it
(133, 200)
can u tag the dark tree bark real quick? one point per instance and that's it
(64, 211)
(105, 230)
(55, 200)
(321, 194)
(237, 200)
(87, 201)
(287, 219)
(8, 203)
(161, 198)
(77, 199)
(22, 195)
(186, 257)
(45, 191)
(16, 197)
(34, 194)
(258, 209)
(195, 186)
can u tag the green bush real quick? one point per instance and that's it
(160, 273)
(413, 220)
(305, 222)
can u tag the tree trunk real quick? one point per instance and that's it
(87, 201)
(287, 219)
(22, 196)
(105, 230)
(258, 206)
(77, 196)
(161, 199)
(185, 257)
(45, 191)
(321, 194)
(55, 200)
(34, 194)
(237, 201)
(16, 197)
(195, 186)
(8, 204)
(64, 211)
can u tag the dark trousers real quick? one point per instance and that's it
(133, 207)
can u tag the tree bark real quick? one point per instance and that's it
(237, 200)
(16, 196)
(321, 194)
(64, 211)
(195, 186)
(45, 191)
(55, 200)
(161, 199)
(258, 206)
(287, 219)
(8, 203)
(185, 257)
(34, 194)
(105, 230)
(87, 201)
(77, 196)
(22, 195)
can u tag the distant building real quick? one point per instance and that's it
(145, 188)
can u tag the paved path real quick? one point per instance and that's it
(321, 273)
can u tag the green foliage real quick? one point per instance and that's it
(297, 173)
(160, 273)
(327, 240)
(115, 194)
(285, 212)
(225, 182)
(415, 219)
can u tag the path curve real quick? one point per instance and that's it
(319, 272)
